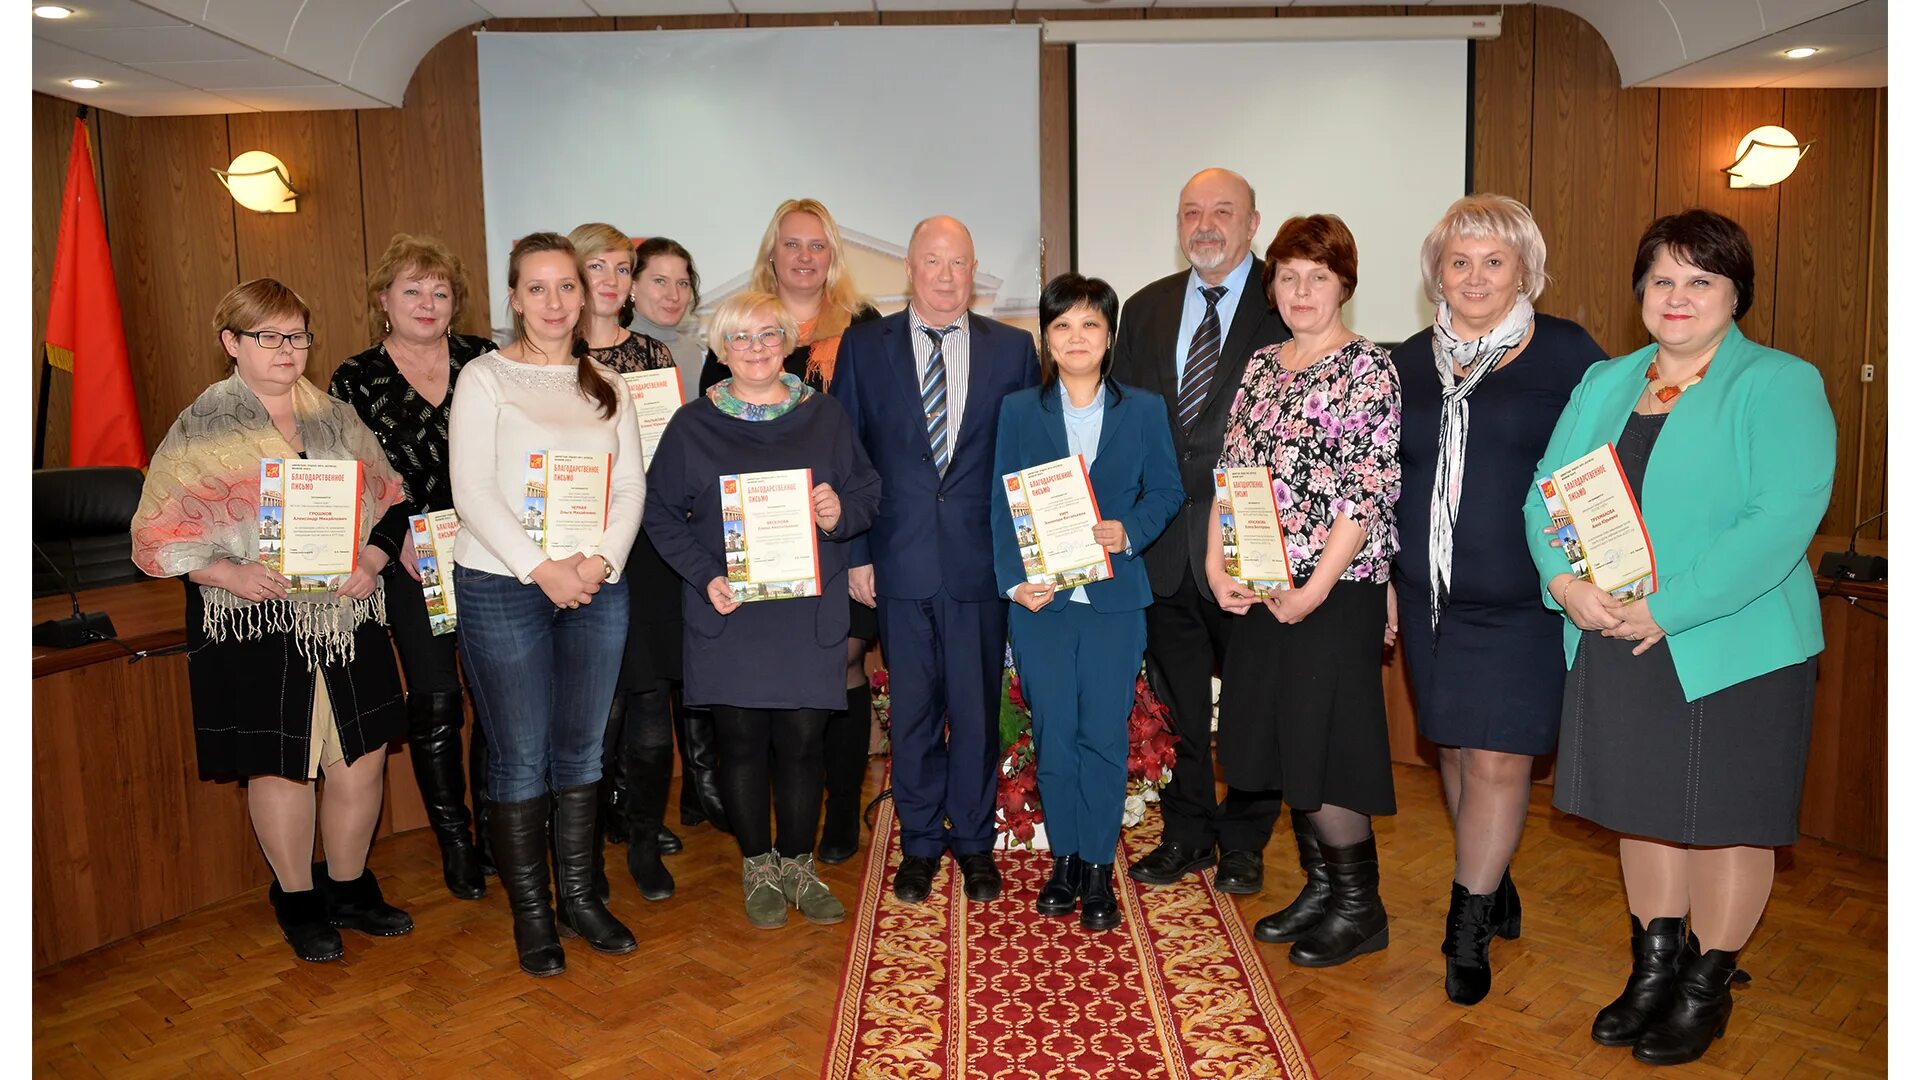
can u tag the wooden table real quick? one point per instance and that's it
(125, 833)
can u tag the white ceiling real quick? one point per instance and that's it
(180, 57)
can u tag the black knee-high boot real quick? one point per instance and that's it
(649, 767)
(482, 805)
(848, 736)
(433, 737)
(519, 832)
(615, 785)
(581, 911)
(700, 750)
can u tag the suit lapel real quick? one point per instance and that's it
(1109, 423)
(1163, 340)
(979, 352)
(899, 351)
(1053, 421)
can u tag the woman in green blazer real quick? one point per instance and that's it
(1686, 714)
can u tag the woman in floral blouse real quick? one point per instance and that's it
(1302, 713)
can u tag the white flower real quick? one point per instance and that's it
(1136, 809)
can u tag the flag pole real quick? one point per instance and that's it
(45, 404)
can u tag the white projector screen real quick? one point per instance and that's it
(699, 134)
(1373, 131)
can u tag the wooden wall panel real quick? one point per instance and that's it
(1845, 798)
(680, 22)
(170, 224)
(52, 138)
(1826, 210)
(1503, 108)
(320, 251)
(420, 172)
(1699, 132)
(1873, 425)
(1593, 176)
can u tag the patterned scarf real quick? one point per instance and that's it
(201, 504)
(721, 394)
(1477, 357)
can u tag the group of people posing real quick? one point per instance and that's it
(1404, 482)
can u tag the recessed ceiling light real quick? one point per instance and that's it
(52, 11)
(1801, 53)
(84, 84)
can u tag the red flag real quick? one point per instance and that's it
(84, 334)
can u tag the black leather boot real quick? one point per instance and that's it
(1506, 908)
(1307, 909)
(1062, 891)
(699, 788)
(1469, 929)
(519, 834)
(1656, 963)
(1099, 908)
(433, 738)
(849, 734)
(615, 785)
(650, 770)
(1356, 920)
(477, 772)
(303, 922)
(581, 911)
(1702, 1002)
(358, 905)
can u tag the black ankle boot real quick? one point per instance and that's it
(1702, 1002)
(519, 834)
(1062, 891)
(303, 922)
(700, 752)
(1506, 908)
(1356, 921)
(358, 905)
(848, 736)
(433, 738)
(1656, 963)
(1307, 909)
(1099, 908)
(649, 769)
(581, 911)
(477, 773)
(1469, 928)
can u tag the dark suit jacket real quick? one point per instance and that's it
(1143, 356)
(931, 531)
(1135, 482)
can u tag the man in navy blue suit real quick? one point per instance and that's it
(923, 387)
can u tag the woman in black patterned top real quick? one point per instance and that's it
(402, 388)
(637, 755)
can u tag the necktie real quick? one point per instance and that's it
(933, 395)
(1203, 356)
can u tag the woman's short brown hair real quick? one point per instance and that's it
(252, 303)
(1713, 242)
(421, 256)
(1321, 238)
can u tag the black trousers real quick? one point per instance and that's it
(1186, 641)
(431, 664)
(778, 748)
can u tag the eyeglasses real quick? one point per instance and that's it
(743, 340)
(271, 339)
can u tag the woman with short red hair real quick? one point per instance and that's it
(1302, 713)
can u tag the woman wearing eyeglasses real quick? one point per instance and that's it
(771, 670)
(802, 264)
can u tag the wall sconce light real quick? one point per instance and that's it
(1766, 156)
(258, 181)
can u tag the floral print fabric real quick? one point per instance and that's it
(1331, 436)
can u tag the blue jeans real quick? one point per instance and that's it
(542, 679)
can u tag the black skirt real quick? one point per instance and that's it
(253, 700)
(1302, 709)
(1638, 758)
(654, 627)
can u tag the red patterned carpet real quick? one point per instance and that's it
(948, 989)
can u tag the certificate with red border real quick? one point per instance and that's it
(1600, 528)
(656, 397)
(1054, 513)
(433, 536)
(566, 500)
(310, 520)
(1251, 536)
(767, 530)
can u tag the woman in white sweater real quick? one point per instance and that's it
(545, 462)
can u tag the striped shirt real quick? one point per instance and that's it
(953, 350)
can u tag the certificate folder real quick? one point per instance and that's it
(1599, 525)
(1251, 536)
(1054, 513)
(767, 529)
(656, 397)
(310, 521)
(565, 506)
(433, 536)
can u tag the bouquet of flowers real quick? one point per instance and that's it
(882, 706)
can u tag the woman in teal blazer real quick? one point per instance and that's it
(1686, 714)
(1078, 650)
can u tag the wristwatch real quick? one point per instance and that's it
(613, 572)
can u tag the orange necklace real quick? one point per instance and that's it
(1665, 392)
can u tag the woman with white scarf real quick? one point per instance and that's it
(1480, 392)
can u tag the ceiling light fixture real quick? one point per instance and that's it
(52, 11)
(84, 84)
(1766, 156)
(1801, 53)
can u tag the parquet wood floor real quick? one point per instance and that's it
(217, 993)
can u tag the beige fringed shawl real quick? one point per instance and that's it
(201, 504)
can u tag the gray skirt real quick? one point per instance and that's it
(1638, 758)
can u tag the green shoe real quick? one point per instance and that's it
(804, 890)
(760, 881)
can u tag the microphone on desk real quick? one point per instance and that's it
(80, 628)
(1850, 565)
